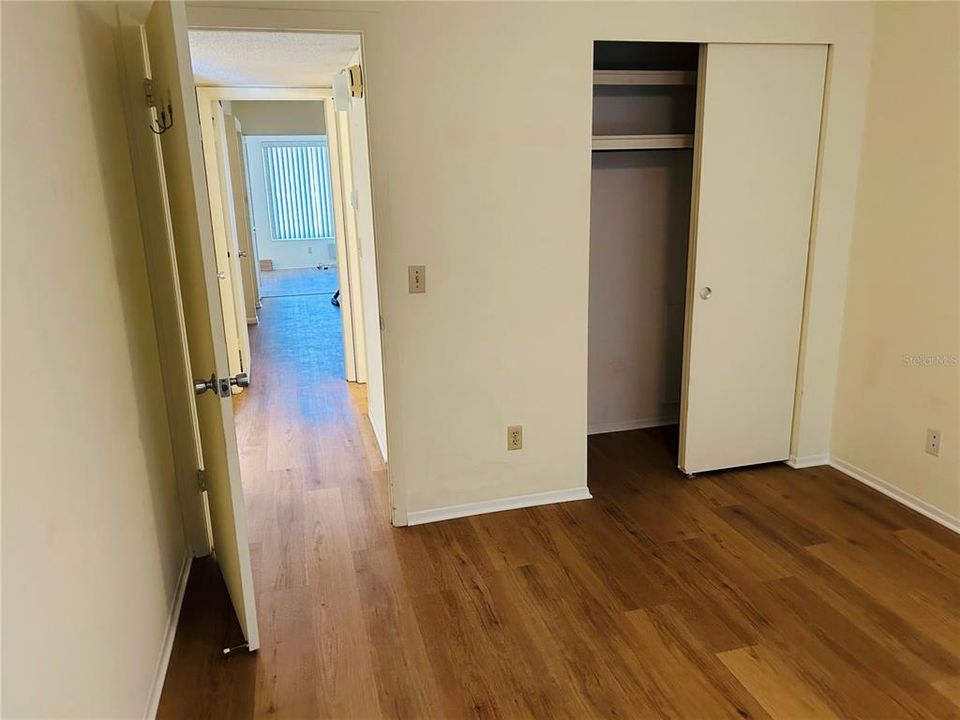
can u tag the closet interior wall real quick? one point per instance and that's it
(644, 108)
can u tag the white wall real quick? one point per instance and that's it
(289, 117)
(360, 166)
(899, 364)
(639, 234)
(285, 254)
(92, 538)
(479, 118)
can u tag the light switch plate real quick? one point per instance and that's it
(417, 278)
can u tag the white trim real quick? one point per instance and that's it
(806, 461)
(892, 491)
(241, 92)
(638, 424)
(380, 441)
(419, 517)
(254, 320)
(160, 674)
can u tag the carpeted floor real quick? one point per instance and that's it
(298, 281)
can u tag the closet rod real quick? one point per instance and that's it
(642, 142)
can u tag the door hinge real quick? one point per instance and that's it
(202, 479)
(381, 323)
(148, 91)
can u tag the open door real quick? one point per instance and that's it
(225, 240)
(247, 254)
(181, 165)
(758, 133)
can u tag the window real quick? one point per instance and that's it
(299, 190)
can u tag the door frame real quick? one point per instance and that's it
(226, 240)
(352, 24)
(208, 96)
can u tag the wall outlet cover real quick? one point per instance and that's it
(417, 278)
(933, 442)
(515, 437)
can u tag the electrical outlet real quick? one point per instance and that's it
(417, 278)
(309, 250)
(514, 437)
(933, 442)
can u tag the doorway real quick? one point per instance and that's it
(295, 205)
(296, 211)
(702, 193)
(268, 439)
(644, 111)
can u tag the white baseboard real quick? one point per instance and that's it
(891, 491)
(806, 461)
(450, 512)
(637, 424)
(166, 649)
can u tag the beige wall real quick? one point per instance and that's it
(480, 118)
(902, 301)
(92, 537)
(263, 117)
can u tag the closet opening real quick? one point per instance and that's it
(644, 117)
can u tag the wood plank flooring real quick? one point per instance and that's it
(758, 593)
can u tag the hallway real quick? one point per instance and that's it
(756, 593)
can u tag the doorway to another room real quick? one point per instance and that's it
(294, 229)
(287, 173)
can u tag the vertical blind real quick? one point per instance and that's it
(299, 190)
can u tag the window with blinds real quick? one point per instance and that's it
(299, 190)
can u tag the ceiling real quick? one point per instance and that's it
(269, 59)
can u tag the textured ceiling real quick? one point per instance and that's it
(278, 59)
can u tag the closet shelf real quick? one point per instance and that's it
(642, 142)
(644, 77)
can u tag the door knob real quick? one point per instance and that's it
(221, 275)
(706, 292)
(241, 253)
(201, 386)
(220, 386)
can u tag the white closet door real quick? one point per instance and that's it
(758, 134)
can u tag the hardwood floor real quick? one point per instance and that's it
(762, 592)
(298, 281)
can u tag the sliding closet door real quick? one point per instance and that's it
(756, 155)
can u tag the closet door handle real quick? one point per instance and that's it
(706, 292)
